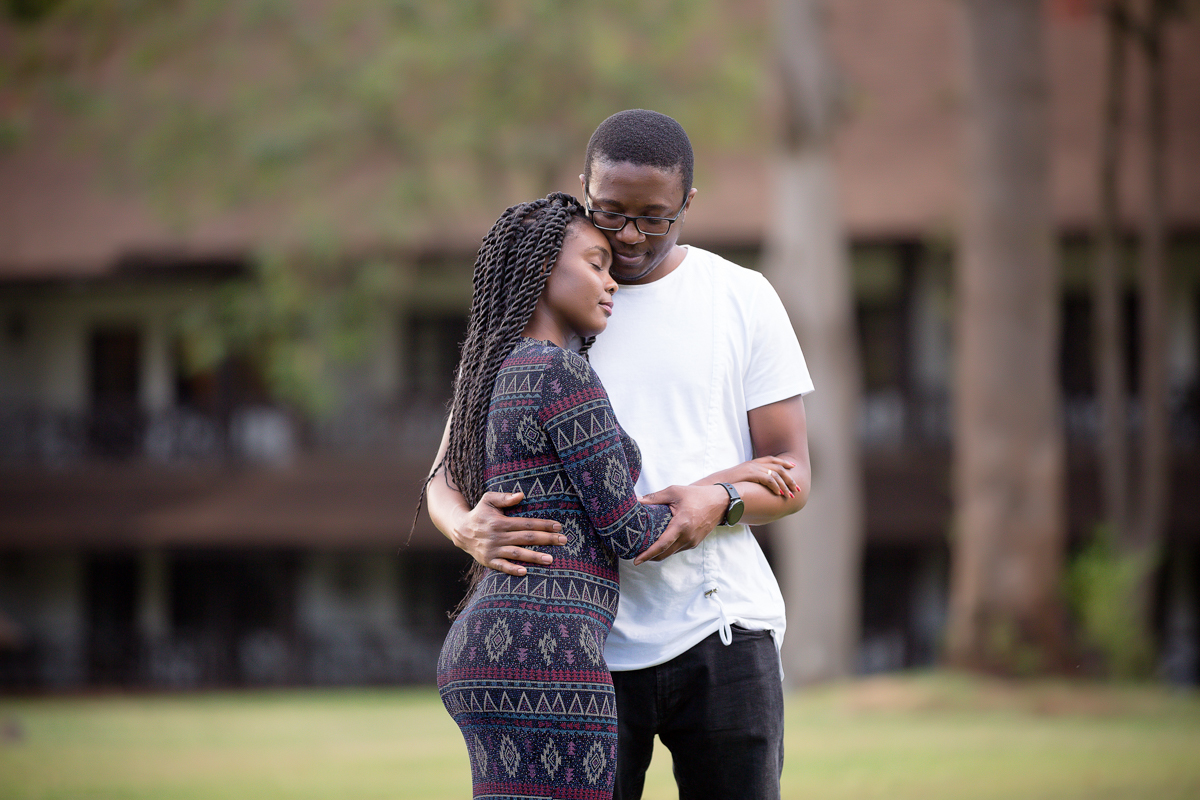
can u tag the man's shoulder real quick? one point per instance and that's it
(722, 269)
(734, 283)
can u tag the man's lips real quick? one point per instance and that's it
(628, 258)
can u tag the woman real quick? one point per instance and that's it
(522, 670)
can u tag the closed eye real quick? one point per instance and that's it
(603, 254)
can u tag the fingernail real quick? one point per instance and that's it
(546, 559)
(791, 495)
(557, 527)
(562, 540)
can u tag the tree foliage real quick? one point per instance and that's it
(215, 104)
(342, 127)
(1102, 583)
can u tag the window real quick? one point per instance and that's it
(432, 345)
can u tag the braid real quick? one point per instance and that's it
(510, 273)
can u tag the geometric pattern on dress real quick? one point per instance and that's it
(522, 669)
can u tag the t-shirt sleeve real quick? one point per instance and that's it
(775, 368)
(582, 429)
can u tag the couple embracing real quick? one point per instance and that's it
(693, 392)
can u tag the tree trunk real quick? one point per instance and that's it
(806, 260)
(1145, 537)
(1009, 462)
(1109, 322)
(1154, 451)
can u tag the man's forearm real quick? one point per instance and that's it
(761, 505)
(779, 429)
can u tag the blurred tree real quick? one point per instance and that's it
(351, 126)
(24, 11)
(1146, 535)
(1134, 521)
(807, 261)
(1009, 461)
(1108, 284)
(216, 104)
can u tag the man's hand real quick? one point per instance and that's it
(772, 486)
(499, 541)
(485, 532)
(696, 511)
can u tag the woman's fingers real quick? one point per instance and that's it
(782, 480)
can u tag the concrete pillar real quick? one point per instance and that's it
(157, 388)
(154, 597)
(382, 596)
(1180, 657)
(931, 326)
(341, 592)
(65, 369)
(930, 596)
(57, 618)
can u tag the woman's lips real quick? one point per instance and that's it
(607, 306)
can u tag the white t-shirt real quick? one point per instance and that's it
(683, 359)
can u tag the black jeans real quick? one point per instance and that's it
(717, 708)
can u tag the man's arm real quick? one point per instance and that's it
(484, 532)
(777, 429)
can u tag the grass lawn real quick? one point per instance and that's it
(928, 737)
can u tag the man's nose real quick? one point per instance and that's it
(630, 233)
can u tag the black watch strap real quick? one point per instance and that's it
(733, 511)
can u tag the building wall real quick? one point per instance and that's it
(44, 351)
(354, 614)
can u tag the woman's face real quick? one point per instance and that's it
(578, 294)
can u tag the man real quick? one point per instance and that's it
(703, 370)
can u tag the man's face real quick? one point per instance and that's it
(637, 191)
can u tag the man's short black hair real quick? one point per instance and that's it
(641, 137)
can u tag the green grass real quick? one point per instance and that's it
(925, 737)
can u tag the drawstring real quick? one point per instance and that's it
(726, 629)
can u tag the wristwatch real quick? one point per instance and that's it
(733, 512)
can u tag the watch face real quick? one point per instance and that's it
(735, 512)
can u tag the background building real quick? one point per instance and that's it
(167, 526)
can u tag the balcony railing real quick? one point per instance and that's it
(261, 434)
(265, 434)
(889, 419)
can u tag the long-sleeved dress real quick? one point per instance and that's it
(522, 670)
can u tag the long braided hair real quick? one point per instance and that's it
(510, 274)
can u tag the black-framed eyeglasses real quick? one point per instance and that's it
(648, 226)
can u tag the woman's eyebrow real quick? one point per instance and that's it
(604, 251)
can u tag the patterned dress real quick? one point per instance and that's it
(522, 670)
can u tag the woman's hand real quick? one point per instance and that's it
(769, 471)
